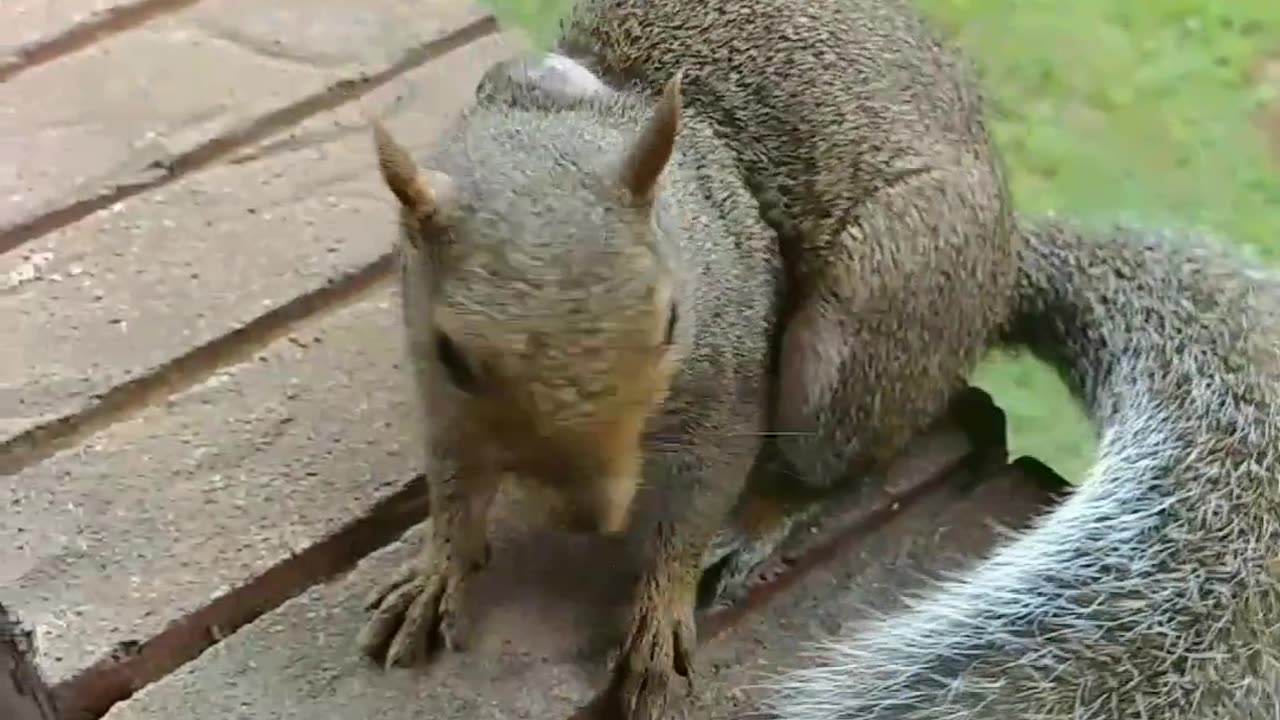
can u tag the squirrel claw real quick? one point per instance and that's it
(659, 648)
(414, 615)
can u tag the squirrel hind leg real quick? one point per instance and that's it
(771, 505)
(800, 464)
(777, 499)
(826, 431)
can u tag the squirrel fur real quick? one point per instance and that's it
(1153, 591)
(779, 248)
(862, 136)
(779, 233)
(580, 295)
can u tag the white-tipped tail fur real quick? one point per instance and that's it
(1153, 591)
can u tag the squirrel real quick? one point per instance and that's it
(1153, 590)
(1173, 345)
(863, 137)
(582, 304)
(755, 256)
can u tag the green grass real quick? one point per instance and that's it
(537, 18)
(1115, 109)
(1105, 109)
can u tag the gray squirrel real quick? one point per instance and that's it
(779, 233)
(1154, 590)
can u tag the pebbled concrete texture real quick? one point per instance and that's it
(547, 617)
(121, 293)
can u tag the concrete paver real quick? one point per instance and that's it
(116, 112)
(32, 21)
(157, 515)
(548, 614)
(121, 293)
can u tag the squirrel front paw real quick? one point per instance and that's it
(416, 614)
(658, 650)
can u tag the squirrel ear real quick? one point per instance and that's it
(648, 155)
(404, 179)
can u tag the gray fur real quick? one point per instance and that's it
(714, 243)
(859, 139)
(555, 279)
(863, 138)
(1152, 592)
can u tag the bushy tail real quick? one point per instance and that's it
(1151, 592)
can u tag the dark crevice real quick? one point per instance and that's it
(167, 170)
(134, 396)
(89, 694)
(96, 27)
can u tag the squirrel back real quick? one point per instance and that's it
(824, 102)
(1153, 591)
(862, 136)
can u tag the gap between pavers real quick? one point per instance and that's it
(30, 22)
(117, 112)
(548, 611)
(123, 293)
(152, 518)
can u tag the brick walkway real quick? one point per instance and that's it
(203, 420)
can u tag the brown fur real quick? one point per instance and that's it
(838, 134)
(863, 137)
(570, 231)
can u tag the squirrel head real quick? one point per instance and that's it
(551, 316)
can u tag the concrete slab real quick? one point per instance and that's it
(121, 111)
(31, 22)
(90, 310)
(108, 543)
(549, 612)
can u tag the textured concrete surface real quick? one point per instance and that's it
(547, 617)
(28, 22)
(156, 515)
(124, 291)
(236, 464)
(116, 112)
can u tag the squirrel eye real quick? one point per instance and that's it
(672, 318)
(460, 373)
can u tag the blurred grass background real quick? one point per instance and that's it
(1161, 112)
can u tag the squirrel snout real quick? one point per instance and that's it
(592, 471)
